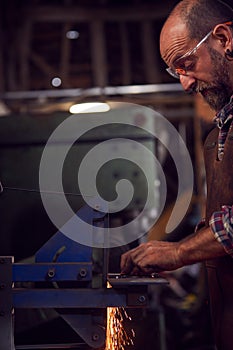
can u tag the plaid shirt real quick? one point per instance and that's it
(221, 221)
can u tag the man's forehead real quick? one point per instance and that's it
(173, 38)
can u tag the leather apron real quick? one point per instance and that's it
(219, 178)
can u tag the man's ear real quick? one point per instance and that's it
(222, 32)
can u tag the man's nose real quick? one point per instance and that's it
(188, 82)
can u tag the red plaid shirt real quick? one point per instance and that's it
(221, 223)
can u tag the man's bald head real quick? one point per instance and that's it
(194, 19)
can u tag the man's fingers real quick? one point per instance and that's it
(130, 261)
(126, 263)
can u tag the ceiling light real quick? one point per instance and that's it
(72, 34)
(90, 107)
(56, 81)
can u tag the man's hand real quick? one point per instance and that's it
(157, 256)
(153, 256)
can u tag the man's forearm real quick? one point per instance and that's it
(157, 256)
(200, 246)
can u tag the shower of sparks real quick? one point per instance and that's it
(117, 337)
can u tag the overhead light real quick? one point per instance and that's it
(56, 81)
(4, 110)
(72, 34)
(89, 107)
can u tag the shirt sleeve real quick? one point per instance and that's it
(221, 222)
(200, 225)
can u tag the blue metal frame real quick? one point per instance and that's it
(52, 272)
(59, 263)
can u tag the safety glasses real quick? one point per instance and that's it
(182, 69)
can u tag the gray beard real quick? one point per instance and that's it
(218, 93)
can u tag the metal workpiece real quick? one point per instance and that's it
(118, 280)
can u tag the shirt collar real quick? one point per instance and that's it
(225, 114)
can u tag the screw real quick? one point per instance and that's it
(51, 273)
(2, 261)
(95, 336)
(2, 286)
(142, 299)
(82, 272)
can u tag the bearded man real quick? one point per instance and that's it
(196, 43)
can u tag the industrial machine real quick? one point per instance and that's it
(42, 270)
(72, 279)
